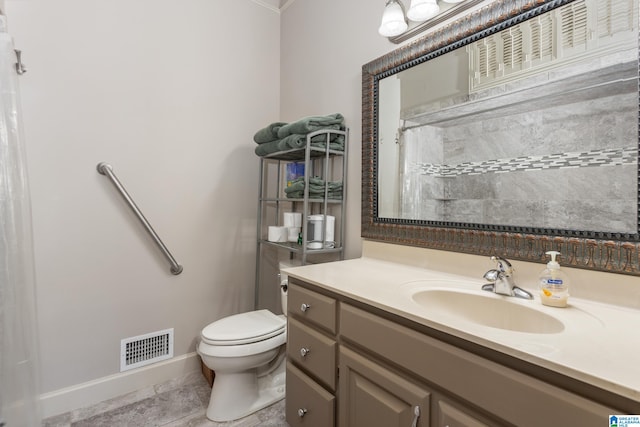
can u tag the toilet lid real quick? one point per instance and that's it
(244, 328)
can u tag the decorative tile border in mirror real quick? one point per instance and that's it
(611, 252)
(605, 157)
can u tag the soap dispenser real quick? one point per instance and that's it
(554, 283)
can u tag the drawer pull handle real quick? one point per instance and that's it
(416, 415)
(302, 412)
(305, 307)
(304, 351)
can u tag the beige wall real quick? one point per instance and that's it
(324, 45)
(169, 94)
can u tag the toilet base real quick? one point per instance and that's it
(237, 395)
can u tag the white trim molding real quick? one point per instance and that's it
(101, 389)
(275, 5)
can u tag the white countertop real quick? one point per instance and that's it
(599, 344)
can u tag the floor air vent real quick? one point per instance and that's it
(146, 349)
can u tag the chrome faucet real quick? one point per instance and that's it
(502, 281)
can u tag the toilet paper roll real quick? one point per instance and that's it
(292, 219)
(330, 231)
(277, 234)
(292, 234)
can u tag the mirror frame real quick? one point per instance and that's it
(603, 251)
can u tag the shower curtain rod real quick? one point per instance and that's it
(107, 170)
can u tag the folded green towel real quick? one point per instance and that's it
(316, 189)
(300, 141)
(268, 134)
(315, 184)
(300, 195)
(310, 124)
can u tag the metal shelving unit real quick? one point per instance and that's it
(319, 161)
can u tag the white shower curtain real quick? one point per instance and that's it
(19, 362)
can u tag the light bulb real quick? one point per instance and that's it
(393, 22)
(421, 10)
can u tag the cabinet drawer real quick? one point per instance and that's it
(313, 352)
(307, 403)
(488, 385)
(315, 308)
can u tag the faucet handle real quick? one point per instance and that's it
(503, 264)
(491, 275)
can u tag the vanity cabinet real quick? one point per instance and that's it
(393, 372)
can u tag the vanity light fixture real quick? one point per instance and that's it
(422, 14)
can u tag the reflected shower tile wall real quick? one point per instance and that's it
(620, 215)
(507, 193)
(593, 124)
(569, 151)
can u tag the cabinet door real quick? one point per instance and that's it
(371, 395)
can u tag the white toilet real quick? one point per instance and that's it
(247, 352)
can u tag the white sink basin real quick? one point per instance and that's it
(486, 309)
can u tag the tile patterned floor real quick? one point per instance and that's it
(177, 403)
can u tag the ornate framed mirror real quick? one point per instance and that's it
(512, 131)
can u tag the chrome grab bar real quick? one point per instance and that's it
(107, 170)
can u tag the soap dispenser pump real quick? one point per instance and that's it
(554, 283)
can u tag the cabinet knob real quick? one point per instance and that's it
(304, 351)
(302, 412)
(305, 307)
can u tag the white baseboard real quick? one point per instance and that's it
(96, 391)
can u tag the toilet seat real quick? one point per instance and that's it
(244, 328)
